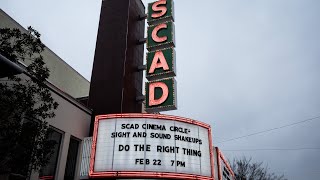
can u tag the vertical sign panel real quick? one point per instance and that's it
(161, 36)
(160, 92)
(160, 11)
(161, 64)
(161, 95)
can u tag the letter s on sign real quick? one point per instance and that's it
(162, 9)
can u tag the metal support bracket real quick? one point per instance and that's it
(142, 17)
(142, 68)
(140, 98)
(142, 41)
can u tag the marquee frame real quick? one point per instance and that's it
(147, 174)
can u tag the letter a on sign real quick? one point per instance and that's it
(161, 95)
(159, 61)
(161, 64)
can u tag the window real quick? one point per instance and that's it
(226, 170)
(48, 172)
(71, 159)
(226, 174)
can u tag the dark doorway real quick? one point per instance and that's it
(71, 159)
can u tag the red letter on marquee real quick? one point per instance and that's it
(165, 93)
(155, 36)
(162, 64)
(156, 7)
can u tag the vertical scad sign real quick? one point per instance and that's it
(161, 93)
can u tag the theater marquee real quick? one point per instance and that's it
(151, 146)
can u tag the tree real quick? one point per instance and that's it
(25, 105)
(245, 169)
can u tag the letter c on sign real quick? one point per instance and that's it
(165, 93)
(156, 7)
(155, 36)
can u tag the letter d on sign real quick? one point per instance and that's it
(164, 96)
(161, 95)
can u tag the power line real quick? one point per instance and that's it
(274, 149)
(272, 129)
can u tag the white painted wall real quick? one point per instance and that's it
(62, 75)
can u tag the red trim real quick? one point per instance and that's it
(220, 156)
(46, 177)
(218, 164)
(137, 174)
(211, 152)
(140, 174)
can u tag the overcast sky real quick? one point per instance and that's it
(243, 67)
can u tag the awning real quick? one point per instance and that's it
(9, 68)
